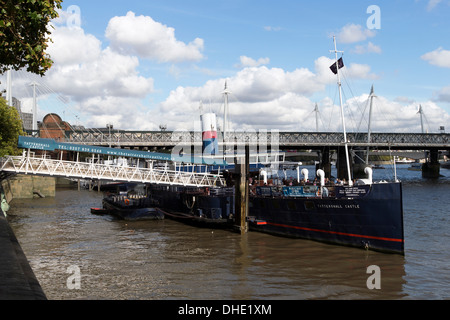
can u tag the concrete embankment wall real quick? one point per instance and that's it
(17, 279)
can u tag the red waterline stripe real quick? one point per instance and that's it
(336, 232)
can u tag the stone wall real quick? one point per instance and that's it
(28, 186)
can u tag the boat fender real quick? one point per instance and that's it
(305, 174)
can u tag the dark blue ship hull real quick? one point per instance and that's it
(200, 206)
(131, 209)
(369, 216)
(366, 216)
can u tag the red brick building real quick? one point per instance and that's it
(53, 127)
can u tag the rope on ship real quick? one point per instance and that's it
(181, 216)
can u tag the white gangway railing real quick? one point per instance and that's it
(83, 170)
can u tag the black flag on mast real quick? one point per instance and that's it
(340, 65)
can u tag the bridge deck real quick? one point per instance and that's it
(416, 141)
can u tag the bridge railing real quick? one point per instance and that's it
(266, 137)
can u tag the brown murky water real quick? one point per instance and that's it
(169, 260)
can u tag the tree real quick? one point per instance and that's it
(24, 31)
(10, 129)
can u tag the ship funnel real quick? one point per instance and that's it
(321, 175)
(210, 144)
(305, 174)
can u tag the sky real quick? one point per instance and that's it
(141, 64)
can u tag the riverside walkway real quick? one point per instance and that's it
(17, 279)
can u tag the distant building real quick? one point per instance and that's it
(27, 118)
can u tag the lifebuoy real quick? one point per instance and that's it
(127, 202)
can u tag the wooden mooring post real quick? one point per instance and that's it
(241, 194)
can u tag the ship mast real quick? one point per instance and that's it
(421, 117)
(226, 92)
(342, 112)
(316, 110)
(372, 95)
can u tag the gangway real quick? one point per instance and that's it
(165, 174)
(26, 164)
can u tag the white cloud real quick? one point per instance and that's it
(369, 48)
(261, 98)
(249, 62)
(270, 28)
(291, 111)
(438, 57)
(443, 95)
(403, 99)
(353, 70)
(73, 46)
(105, 74)
(147, 38)
(432, 4)
(360, 71)
(351, 33)
(99, 83)
(105, 85)
(393, 116)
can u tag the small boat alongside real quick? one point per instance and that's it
(199, 206)
(132, 207)
(99, 211)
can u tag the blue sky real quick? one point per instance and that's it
(139, 64)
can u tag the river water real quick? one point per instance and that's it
(114, 259)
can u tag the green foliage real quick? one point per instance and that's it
(24, 31)
(10, 129)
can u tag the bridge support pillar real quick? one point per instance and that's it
(431, 168)
(325, 163)
(359, 165)
(341, 164)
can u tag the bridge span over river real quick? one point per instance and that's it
(325, 143)
(309, 140)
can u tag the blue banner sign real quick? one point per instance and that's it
(295, 191)
(300, 191)
(52, 145)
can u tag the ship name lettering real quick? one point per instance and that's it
(352, 206)
(330, 206)
(338, 206)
